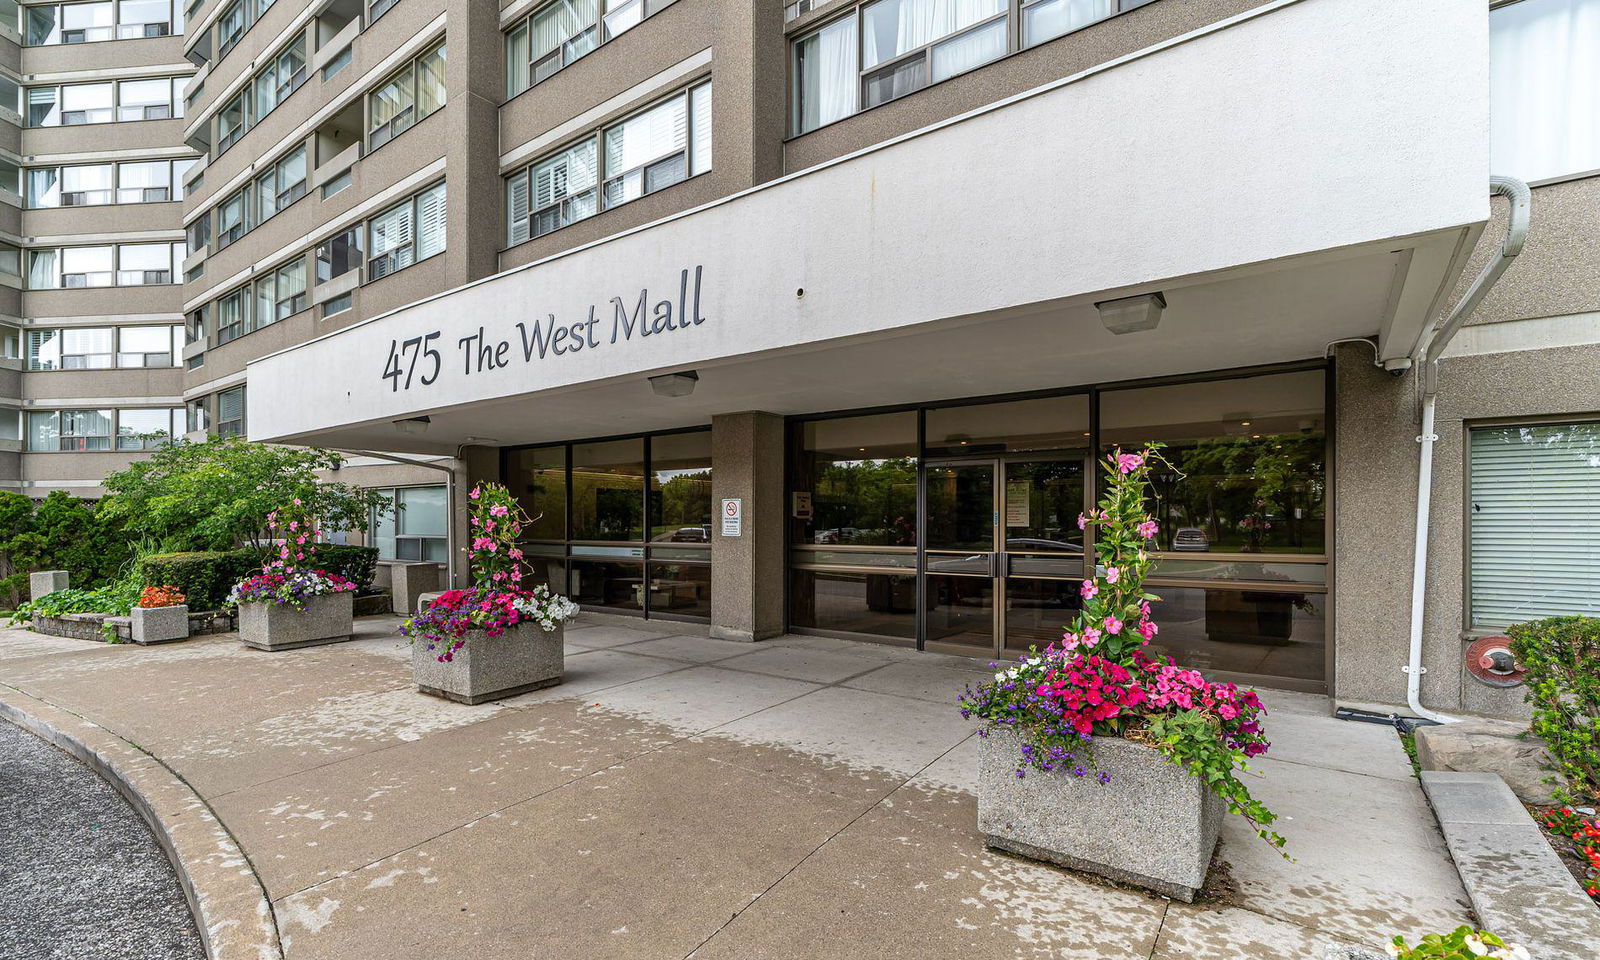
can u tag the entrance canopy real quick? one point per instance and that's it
(1311, 170)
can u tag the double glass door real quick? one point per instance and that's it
(1003, 556)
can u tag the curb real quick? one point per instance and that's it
(228, 902)
(1518, 886)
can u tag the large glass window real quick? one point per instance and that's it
(1248, 456)
(148, 429)
(230, 413)
(149, 346)
(233, 315)
(281, 293)
(406, 233)
(74, 348)
(640, 529)
(861, 475)
(826, 75)
(82, 103)
(608, 490)
(680, 488)
(411, 94)
(538, 478)
(80, 430)
(639, 155)
(413, 525)
(338, 255)
(104, 20)
(558, 33)
(905, 45)
(1534, 522)
(1544, 88)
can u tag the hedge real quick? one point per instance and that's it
(1562, 657)
(205, 577)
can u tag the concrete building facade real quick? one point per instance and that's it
(814, 316)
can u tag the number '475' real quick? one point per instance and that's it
(403, 361)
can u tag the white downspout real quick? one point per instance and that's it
(1430, 347)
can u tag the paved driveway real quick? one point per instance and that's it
(685, 797)
(81, 876)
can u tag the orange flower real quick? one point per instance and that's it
(167, 596)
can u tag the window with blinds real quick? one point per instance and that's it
(230, 413)
(1534, 528)
(649, 151)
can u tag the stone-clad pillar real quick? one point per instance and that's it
(747, 571)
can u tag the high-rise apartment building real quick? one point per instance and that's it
(92, 169)
(811, 316)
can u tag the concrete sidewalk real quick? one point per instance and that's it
(685, 797)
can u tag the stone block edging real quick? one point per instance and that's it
(1519, 888)
(229, 904)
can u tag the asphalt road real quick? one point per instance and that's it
(81, 876)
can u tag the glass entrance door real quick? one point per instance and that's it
(1003, 554)
(961, 559)
(1042, 564)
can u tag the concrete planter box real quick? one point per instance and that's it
(269, 626)
(1153, 825)
(46, 582)
(492, 668)
(159, 624)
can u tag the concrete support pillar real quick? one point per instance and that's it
(748, 570)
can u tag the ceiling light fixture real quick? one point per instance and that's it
(413, 426)
(674, 384)
(1132, 314)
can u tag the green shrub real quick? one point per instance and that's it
(203, 576)
(1562, 657)
(359, 564)
(114, 598)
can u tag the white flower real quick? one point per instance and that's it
(1000, 677)
(1391, 949)
(1478, 947)
(1513, 951)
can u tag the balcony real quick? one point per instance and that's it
(1278, 198)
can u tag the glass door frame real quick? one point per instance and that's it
(1000, 557)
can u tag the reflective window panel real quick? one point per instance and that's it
(608, 584)
(1249, 471)
(538, 479)
(680, 488)
(861, 476)
(681, 589)
(1018, 426)
(876, 603)
(608, 490)
(1244, 631)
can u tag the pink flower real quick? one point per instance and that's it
(473, 495)
(300, 539)
(1091, 636)
(498, 510)
(1113, 574)
(1083, 521)
(284, 553)
(1088, 590)
(514, 553)
(1129, 462)
(297, 501)
(1147, 629)
(1148, 529)
(1113, 625)
(1070, 641)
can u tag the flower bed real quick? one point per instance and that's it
(1101, 682)
(1574, 833)
(293, 602)
(494, 639)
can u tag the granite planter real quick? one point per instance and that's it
(329, 618)
(1153, 825)
(159, 624)
(487, 668)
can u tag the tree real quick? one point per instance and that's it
(217, 494)
(60, 532)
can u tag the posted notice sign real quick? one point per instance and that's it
(732, 518)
